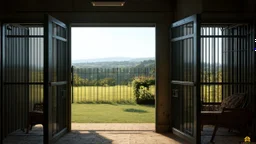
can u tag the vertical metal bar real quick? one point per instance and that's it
(208, 65)
(181, 48)
(105, 89)
(119, 84)
(247, 55)
(87, 85)
(225, 67)
(13, 57)
(108, 88)
(97, 69)
(79, 85)
(185, 73)
(15, 75)
(245, 32)
(203, 65)
(95, 84)
(21, 92)
(72, 84)
(7, 97)
(190, 95)
(232, 59)
(26, 101)
(47, 76)
(202, 61)
(90, 96)
(19, 72)
(33, 73)
(37, 63)
(4, 44)
(220, 70)
(116, 94)
(214, 63)
(236, 60)
(222, 65)
(197, 68)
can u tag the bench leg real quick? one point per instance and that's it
(28, 127)
(214, 133)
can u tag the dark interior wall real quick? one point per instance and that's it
(225, 11)
(223, 5)
(9, 8)
(185, 8)
(250, 6)
(217, 10)
(229, 6)
(157, 12)
(85, 5)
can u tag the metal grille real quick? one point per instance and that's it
(226, 67)
(226, 61)
(15, 95)
(22, 75)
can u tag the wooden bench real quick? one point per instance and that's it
(236, 116)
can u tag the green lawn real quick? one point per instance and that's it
(118, 93)
(109, 113)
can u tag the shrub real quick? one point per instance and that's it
(145, 97)
(141, 90)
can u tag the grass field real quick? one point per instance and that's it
(109, 113)
(119, 94)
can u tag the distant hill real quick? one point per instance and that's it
(111, 59)
(116, 63)
(122, 62)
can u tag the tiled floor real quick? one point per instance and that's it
(222, 136)
(19, 137)
(99, 134)
(130, 133)
(117, 134)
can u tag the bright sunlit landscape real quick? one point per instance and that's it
(113, 74)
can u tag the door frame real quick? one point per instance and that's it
(196, 44)
(117, 25)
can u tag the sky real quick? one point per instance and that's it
(105, 42)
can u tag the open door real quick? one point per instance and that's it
(1, 94)
(56, 79)
(185, 80)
